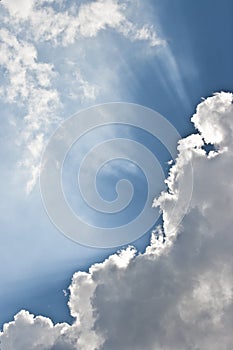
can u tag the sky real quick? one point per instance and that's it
(171, 288)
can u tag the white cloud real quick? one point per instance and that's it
(215, 128)
(28, 85)
(33, 83)
(37, 333)
(98, 15)
(19, 8)
(85, 20)
(85, 89)
(175, 296)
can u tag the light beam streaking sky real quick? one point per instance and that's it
(59, 57)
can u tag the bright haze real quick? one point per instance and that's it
(172, 288)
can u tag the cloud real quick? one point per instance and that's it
(85, 20)
(29, 332)
(28, 85)
(19, 8)
(178, 294)
(36, 86)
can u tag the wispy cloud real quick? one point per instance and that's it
(32, 83)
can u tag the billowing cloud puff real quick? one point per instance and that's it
(29, 332)
(177, 295)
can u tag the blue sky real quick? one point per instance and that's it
(196, 61)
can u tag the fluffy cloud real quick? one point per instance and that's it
(29, 332)
(178, 294)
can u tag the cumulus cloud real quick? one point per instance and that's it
(178, 294)
(30, 332)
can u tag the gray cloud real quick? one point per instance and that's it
(177, 295)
